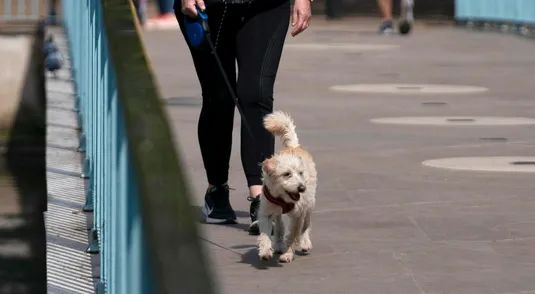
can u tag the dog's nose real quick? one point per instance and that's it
(301, 188)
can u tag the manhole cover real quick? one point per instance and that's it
(461, 120)
(455, 121)
(184, 101)
(518, 164)
(494, 139)
(434, 103)
(340, 46)
(408, 89)
(523, 163)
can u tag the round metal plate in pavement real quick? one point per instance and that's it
(184, 101)
(456, 121)
(340, 47)
(405, 89)
(524, 164)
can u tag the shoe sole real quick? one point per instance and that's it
(210, 220)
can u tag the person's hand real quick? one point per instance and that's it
(300, 16)
(189, 7)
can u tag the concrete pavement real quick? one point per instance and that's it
(384, 222)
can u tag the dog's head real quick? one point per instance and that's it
(285, 175)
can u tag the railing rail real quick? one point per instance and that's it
(506, 11)
(144, 226)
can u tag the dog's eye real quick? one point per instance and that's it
(287, 175)
(301, 173)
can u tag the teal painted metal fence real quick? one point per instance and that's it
(506, 11)
(144, 227)
(112, 190)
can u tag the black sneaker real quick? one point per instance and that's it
(217, 208)
(253, 212)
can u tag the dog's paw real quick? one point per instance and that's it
(279, 247)
(265, 254)
(286, 257)
(305, 245)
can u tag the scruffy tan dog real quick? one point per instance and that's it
(289, 191)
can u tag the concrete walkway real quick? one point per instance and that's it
(69, 266)
(385, 223)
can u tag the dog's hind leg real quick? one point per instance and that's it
(278, 235)
(292, 239)
(265, 250)
(305, 245)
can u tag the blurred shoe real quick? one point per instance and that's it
(408, 10)
(52, 19)
(386, 27)
(163, 22)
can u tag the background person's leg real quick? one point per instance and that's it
(216, 119)
(53, 12)
(259, 49)
(166, 18)
(386, 26)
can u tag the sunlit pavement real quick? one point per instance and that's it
(385, 222)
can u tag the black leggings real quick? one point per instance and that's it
(253, 35)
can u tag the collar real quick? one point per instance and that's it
(286, 207)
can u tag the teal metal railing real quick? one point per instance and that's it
(521, 12)
(144, 227)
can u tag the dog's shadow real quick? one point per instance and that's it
(251, 257)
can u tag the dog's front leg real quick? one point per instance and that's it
(292, 238)
(305, 244)
(278, 235)
(265, 250)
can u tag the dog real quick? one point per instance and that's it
(288, 194)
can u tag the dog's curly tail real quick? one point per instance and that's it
(281, 124)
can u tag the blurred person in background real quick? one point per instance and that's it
(387, 26)
(166, 17)
(53, 12)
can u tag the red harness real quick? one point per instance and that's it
(286, 207)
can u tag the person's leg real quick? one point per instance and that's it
(53, 12)
(217, 116)
(385, 6)
(166, 7)
(386, 9)
(165, 18)
(259, 49)
(406, 8)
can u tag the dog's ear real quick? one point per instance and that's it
(269, 165)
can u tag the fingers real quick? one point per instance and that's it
(200, 4)
(300, 16)
(298, 25)
(189, 7)
(294, 16)
(302, 23)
